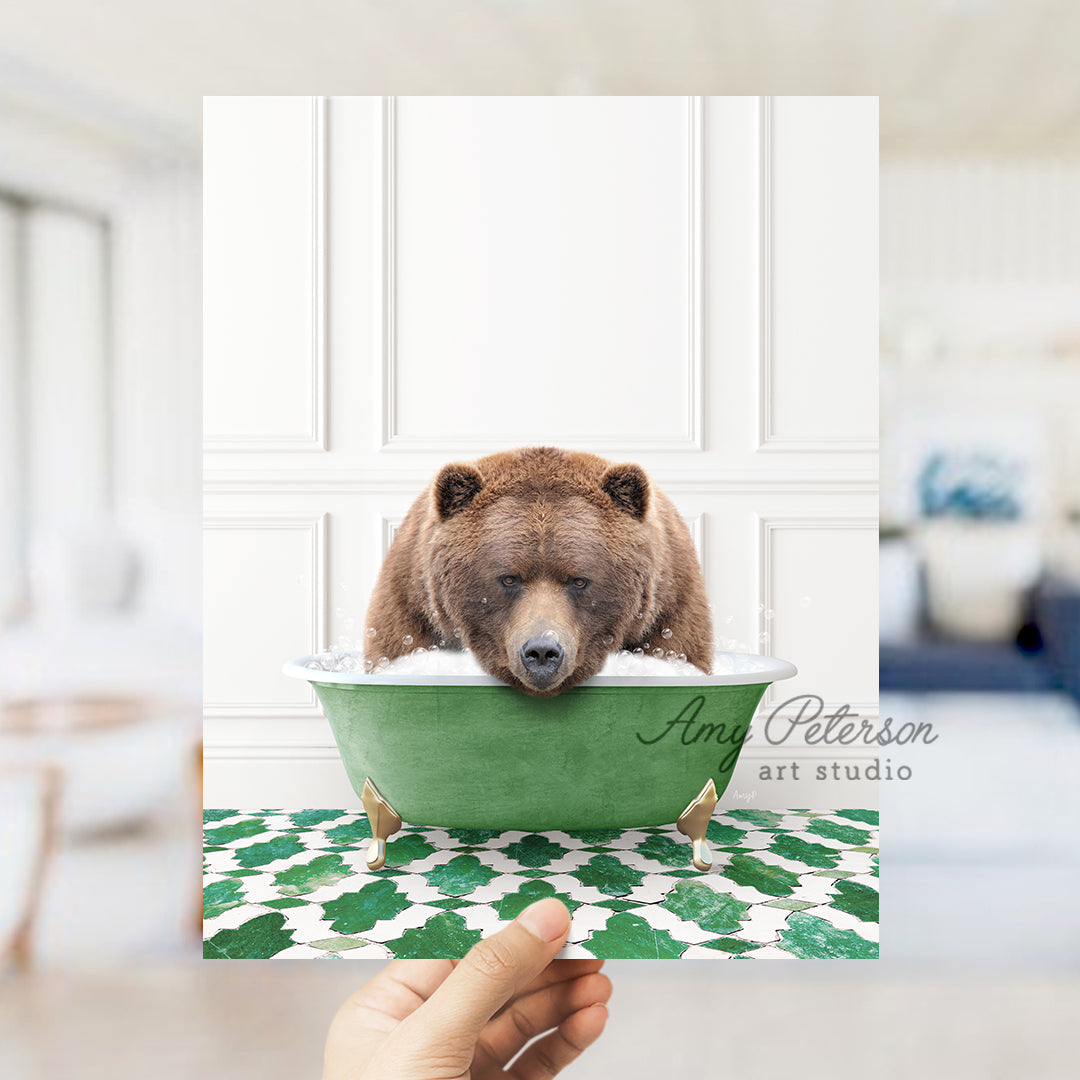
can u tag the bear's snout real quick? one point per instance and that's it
(542, 657)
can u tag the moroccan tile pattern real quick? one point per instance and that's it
(789, 884)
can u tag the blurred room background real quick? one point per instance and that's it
(99, 565)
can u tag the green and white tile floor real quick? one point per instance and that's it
(786, 884)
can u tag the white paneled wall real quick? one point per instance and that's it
(390, 284)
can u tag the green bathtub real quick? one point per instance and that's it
(466, 751)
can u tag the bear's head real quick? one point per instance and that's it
(541, 563)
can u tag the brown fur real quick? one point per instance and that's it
(548, 517)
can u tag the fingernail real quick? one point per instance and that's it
(546, 919)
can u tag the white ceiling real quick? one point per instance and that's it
(954, 76)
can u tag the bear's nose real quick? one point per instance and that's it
(541, 656)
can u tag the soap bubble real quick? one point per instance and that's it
(483, 600)
(639, 652)
(371, 631)
(658, 652)
(407, 639)
(608, 639)
(666, 632)
(551, 634)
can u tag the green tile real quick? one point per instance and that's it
(837, 874)
(534, 850)
(732, 945)
(762, 819)
(856, 899)
(241, 830)
(351, 832)
(407, 849)
(513, 904)
(219, 896)
(664, 849)
(355, 912)
(473, 837)
(336, 944)
(724, 835)
(811, 938)
(846, 834)
(595, 836)
(771, 880)
(794, 847)
(462, 875)
(869, 817)
(287, 902)
(617, 905)
(451, 903)
(256, 939)
(281, 847)
(696, 902)
(241, 873)
(442, 936)
(788, 904)
(218, 815)
(630, 937)
(304, 819)
(307, 877)
(609, 875)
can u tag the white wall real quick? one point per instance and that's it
(697, 279)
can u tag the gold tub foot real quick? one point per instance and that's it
(385, 821)
(694, 821)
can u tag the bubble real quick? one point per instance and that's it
(592, 603)
(551, 634)
(483, 600)
(639, 615)
(804, 602)
(666, 632)
(770, 613)
(315, 665)
(658, 652)
(407, 639)
(371, 631)
(608, 639)
(682, 658)
(639, 652)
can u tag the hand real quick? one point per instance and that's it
(466, 1019)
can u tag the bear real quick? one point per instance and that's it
(542, 562)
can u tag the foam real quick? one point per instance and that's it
(424, 662)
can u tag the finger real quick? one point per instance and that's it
(541, 1011)
(492, 972)
(558, 971)
(548, 1056)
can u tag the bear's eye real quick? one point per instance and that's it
(509, 580)
(579, 582)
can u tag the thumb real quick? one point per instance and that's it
(492, 972)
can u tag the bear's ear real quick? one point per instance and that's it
(455, 487)
(628, 487)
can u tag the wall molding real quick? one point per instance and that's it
(692, 439)
(767, 525)
(314, 440)
(316, 527)
(414, 480)
(768, 439)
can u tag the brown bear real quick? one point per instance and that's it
(542, 562)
